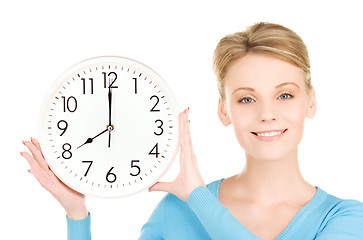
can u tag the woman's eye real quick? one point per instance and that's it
(246, 100)
(285, 96)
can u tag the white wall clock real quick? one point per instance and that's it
(109, 127)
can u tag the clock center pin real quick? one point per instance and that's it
(110, 127)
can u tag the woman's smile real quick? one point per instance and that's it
(271, 135)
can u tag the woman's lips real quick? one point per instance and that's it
(270, 135)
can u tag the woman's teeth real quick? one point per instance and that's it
(269, 134)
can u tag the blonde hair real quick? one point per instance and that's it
(262, 37)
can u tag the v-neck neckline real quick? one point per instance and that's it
(300, 216)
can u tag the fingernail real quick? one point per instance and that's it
(24, 142)
(29, 171)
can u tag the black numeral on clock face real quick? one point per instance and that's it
(160, 127)
(89, 166)
(135, 85)
(62, 125)
(155, 151)
(110, 176)
(112, 79)
(84, 85)
(67, 154)
(70, 104)
(157, 101)
(133, 165)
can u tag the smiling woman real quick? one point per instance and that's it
(266, 93)
(271, 99)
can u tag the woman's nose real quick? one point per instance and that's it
(267, 112)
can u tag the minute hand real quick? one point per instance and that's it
(110, 127)
(109, 105)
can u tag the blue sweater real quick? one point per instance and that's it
(325, 217)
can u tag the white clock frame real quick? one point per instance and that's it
(135, 162)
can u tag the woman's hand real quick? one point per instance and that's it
(72, 201)
(189, 177)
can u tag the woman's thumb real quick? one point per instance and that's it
(160, 186)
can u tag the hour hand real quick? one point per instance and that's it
(90, 140)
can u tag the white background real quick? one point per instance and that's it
(41, 39)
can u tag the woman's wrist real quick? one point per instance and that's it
(78, 214)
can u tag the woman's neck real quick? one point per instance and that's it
(272, 182)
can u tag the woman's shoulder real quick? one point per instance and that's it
(335, 216)
(339, 207)
(214, 187)
(342, 202)
(346, 205)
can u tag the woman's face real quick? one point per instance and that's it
(266, 102)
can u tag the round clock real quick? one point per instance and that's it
(109, 127)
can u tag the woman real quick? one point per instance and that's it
(266, 94)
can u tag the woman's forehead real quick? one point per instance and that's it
(262, 71)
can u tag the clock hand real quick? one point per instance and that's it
(109, 105)
(110, 126)
(109, 138)
(90, 140)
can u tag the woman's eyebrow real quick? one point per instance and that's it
(244, 88)
(278, 86)
(286, 83)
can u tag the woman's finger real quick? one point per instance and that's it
(43, 164)
(40, 174)
(32, 162)
(43, 179)
(181, 126)
(36, 154)
(36, 143)
(187, 140)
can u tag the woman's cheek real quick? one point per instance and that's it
(296, 112)
(295, 116)
(241, 116)
(243, 121)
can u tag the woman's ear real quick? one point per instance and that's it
(222, 113)
(311, 110)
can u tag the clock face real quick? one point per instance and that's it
(109, 128)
